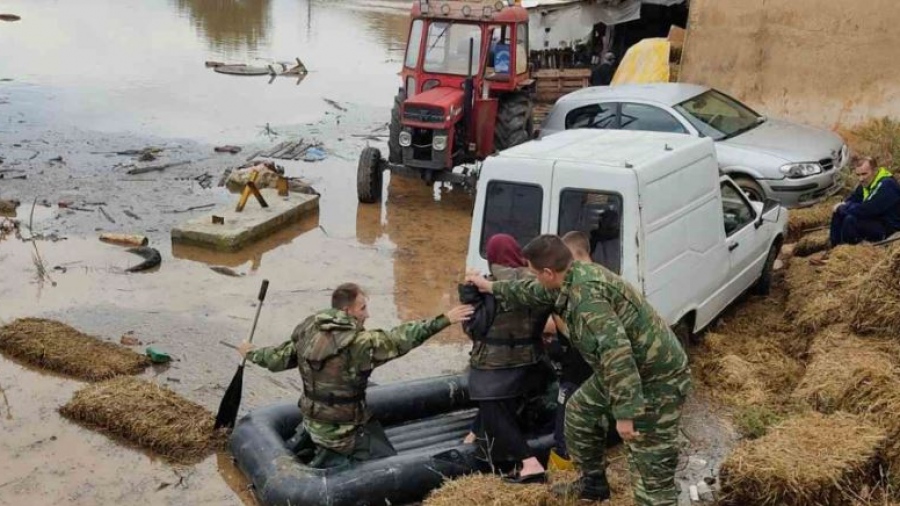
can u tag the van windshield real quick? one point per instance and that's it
(719, 116)
(514, 209)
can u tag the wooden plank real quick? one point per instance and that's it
(562, 73)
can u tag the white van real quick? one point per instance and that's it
(655, 206)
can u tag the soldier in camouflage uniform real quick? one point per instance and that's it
(641, 373)
(335, 356)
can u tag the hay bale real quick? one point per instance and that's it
(808, 459)
(861, 376)
(812, 243)
(750, 356)
(486, 489)
(734, 380)
(801, 221)
(58, 347)
(851, 374)
(149, 416)
(822, 295)
(878, 298)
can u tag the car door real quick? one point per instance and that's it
(741, 237)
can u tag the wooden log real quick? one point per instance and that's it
(125, 239)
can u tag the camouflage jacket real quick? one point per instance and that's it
(630, 347)
(514, 338)
(335, 357)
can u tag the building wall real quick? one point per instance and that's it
(824, 62)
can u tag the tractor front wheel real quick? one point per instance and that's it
(395, 154)
(369, 176)
(514, 124)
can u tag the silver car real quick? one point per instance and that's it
(794, 164)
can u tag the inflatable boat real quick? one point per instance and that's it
(426, 421)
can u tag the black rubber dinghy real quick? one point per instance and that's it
(426, 420)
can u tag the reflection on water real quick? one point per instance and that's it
(230, 25)
(431, 240)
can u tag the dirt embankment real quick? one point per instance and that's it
(823, 63)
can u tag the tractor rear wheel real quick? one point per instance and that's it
(395, 155)
(369, 176)
(514, 124)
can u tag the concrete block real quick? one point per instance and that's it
(248, 226)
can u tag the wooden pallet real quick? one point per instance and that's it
(554, 83)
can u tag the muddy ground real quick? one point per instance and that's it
(409, 253)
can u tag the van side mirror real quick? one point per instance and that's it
(768, 205)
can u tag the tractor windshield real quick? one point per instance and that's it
(447, 48)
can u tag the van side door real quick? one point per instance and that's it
(513, 198)
(747, 247)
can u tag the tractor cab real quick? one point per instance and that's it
(466, 92)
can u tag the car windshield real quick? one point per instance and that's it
(447, 48)
(718, 116)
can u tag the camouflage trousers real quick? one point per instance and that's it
(653, 457)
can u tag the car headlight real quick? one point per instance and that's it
(405, 139)
(440, 142)
(796, 170)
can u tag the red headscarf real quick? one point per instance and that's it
(503, 249)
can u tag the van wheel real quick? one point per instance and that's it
(369, 176)
(684, 330)
(753, 189)
(763, 285)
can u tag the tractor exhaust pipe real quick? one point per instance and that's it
(468, 93)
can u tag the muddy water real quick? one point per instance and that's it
(94, 77)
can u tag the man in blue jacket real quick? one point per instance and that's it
(872, 211)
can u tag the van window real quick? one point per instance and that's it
(592, 116)
(514, 209)
(599, 215)
(736, 209)
(649, 118)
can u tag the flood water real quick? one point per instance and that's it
(80, 81)
(139, 66)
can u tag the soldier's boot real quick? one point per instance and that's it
(590, 487)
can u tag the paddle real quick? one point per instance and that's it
(228, 409)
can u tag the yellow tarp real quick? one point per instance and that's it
(645, 62)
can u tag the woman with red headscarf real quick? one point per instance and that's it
(505, 368)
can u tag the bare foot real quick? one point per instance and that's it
(531, 466)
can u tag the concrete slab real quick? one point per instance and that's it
(248, 226)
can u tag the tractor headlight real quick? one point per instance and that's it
(439, 143)
(798, 170)
(405, 139)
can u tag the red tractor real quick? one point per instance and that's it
(466, 92)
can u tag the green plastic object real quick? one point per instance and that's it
(158, 357)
